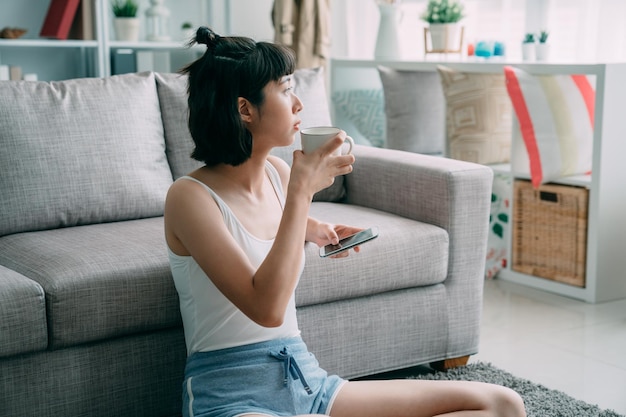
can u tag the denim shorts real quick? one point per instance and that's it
(276, 378)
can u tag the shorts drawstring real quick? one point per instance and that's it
(291, 367)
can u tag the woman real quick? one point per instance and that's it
(235, 231)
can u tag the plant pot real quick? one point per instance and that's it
(444, 36)
(542, 51)
(126, 28)
(528, 51)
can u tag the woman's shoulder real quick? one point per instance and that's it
(281, 167)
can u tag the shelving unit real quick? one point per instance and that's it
(64, 59)
(606, 223)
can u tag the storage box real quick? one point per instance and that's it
(550, 231)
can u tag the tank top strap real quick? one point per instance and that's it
(277, 183)
(228, 214)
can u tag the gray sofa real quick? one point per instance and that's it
(89, 319)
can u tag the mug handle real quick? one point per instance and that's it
(351, 142)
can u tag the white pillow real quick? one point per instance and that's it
(555, 115)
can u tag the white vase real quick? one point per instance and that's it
(528, 51)
(444, 36)
(387, 41)
(126, 28)
(542, 51)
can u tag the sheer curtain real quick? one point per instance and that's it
(580, 30)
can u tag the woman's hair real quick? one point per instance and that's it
(231, 67)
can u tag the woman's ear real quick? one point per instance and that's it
(245, 109)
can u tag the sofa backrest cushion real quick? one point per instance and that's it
(172, 89)
(80, 151)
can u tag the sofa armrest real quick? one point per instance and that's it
(426, 188)
(454, 195)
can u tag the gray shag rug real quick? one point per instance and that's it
(539, 400)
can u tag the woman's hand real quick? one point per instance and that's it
(323, 234)
(317, 170)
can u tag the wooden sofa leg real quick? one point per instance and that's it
(446, 364)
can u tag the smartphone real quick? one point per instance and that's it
(349, 242)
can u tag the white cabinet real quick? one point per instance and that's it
(606, 223)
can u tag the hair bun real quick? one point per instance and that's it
(206, 36)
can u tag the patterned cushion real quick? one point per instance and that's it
(365, 109)
(415, 110)
(555, 115)
(478, 116)
(80, 151)
(499, 226)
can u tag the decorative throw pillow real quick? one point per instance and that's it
(478, 116)
(310, 87)
(365, 109)
(415, 108)
(555, 115)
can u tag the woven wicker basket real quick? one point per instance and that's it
(550, 231)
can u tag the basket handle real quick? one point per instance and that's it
(548, 196)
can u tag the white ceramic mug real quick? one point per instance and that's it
(314, 137)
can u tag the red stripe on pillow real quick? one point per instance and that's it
(589, 95)
(526, 125)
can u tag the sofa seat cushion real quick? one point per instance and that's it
(22, 314)
(100, 281)
(406, 254)
(80, 151)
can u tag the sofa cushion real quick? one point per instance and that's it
(80, 151)
(388, 266)
(100, 281)
(172, 89)
(22, 314)
(479, 116)
(415, 109)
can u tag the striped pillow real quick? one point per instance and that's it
(555, 115)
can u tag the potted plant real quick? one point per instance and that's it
(528, 47)
(187, 30)
(542, 49)
(442, 17)
(126, 22)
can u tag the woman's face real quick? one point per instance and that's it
(278, 119)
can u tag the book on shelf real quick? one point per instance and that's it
(83, 25)
(4, 73)
(59, 19)
(123, 61)
(158, 61)
(15, 73)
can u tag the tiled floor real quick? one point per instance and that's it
(564, 344)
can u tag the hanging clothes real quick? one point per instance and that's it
(304, 26)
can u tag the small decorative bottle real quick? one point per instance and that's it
(158, 16)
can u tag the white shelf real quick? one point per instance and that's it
(606, 227)
(46, 43)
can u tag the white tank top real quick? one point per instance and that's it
(210, 320)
